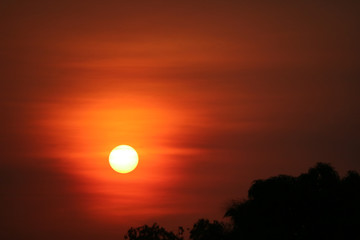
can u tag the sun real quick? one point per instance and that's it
(123, 159)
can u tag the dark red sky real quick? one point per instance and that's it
(212, 95)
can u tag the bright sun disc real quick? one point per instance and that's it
(123, 159)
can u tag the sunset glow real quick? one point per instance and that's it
(115, 114)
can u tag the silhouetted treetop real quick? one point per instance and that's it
(154, 232)
(203, 229)
(315, 205)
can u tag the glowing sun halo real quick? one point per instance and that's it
(123, 159)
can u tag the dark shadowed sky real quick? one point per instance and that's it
(212, 95)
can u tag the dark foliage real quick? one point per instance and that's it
(203, 229)
(315, 205)
(155, 232)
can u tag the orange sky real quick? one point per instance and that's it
(212, 95)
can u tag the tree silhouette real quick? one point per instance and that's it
(315, 205)
(203, 229)
(154, 232)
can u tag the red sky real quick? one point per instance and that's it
(212, 95)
